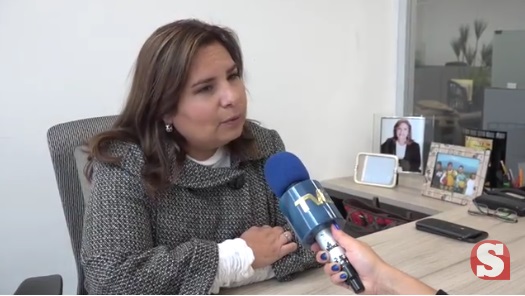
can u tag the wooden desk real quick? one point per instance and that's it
(440, 262)
(406, 195)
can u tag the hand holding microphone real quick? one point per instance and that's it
(378, 277)
(309, 210)
(371, 268)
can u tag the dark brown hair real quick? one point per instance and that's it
(160, 74)
(409, 136)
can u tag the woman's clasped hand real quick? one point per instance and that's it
(268, 244)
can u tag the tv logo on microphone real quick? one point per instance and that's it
(318, 200)
(490, 260)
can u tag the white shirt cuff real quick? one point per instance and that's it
(235, 266)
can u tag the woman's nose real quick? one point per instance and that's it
(227, 96)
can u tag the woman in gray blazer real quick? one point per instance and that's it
(179, 204)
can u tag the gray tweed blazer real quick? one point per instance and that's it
(134, 245)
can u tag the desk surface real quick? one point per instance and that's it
(440, 262)
(406, 195)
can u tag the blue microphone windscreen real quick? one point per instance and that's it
(283, 170)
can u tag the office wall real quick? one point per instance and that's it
(438, 22)
(316, 71)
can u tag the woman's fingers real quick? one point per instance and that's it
(322, 257)
(285, 237)
(332, 268)
(287, 249)
(315, 247)
(339, 277)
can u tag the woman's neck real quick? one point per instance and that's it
(201, 154)
(402, 141)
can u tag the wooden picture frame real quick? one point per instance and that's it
(455, 174)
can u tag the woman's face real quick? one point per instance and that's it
(402, 131)
(212, 107)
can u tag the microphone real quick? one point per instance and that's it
(308, 209)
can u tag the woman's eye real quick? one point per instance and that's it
(206, 88)
(234, 76)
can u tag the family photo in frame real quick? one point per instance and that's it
(455, 173)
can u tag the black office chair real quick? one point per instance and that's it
(64, 142)
(42, 285)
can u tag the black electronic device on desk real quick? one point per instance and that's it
(451, 230)
(507, 198)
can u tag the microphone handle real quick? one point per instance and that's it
(326, 241)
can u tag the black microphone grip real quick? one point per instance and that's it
(337, 255)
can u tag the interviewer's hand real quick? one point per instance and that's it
(377, 276)
(268, 244)
(366, 262)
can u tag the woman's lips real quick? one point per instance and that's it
(232, 120)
